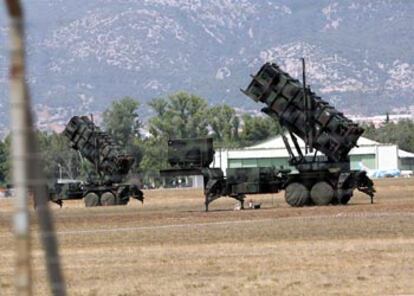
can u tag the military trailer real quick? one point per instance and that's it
(189, 157)
(192, 157)
(321, 179)
(323, 176)
(106, 185)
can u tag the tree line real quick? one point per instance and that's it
(181, 115)
(400, 133)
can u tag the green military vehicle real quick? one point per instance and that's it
(321, 179)
(189, 157)
(107, 185)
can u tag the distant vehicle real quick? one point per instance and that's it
(377, 174)
(106, 186)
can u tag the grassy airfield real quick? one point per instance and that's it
(170, 246)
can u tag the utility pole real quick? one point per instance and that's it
(27, 171)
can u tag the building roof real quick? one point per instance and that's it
(276, 147)
(277, 143)
(405, 154)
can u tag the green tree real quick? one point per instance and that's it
(258, 128)
(181, 115)
(225, 125)
(58, 158)
(401, 133)
(155, 155)
(121, 121)
(370, 131)
(56, 155)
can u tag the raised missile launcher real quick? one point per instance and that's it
(322, 179)
(321, 125)
(107, 185)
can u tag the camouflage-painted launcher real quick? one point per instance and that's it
(98, 148)
(321, 180)
(330, 131)
(107, 187)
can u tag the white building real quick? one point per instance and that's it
(373, 155)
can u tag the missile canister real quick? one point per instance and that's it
(330, 131)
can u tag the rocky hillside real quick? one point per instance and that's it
(84, 54)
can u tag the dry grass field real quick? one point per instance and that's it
(171, 247)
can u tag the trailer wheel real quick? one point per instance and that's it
(297, 195)
(322, 193)
(91, 200)
(108, 199)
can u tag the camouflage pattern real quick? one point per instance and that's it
(332, 133)
(321, 180)
(97, 147)
(190, 153)
(70, 190)
(255, 180)
(193, 157)
(111, 168)
(215, 186)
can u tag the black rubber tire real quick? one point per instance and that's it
(322, 193)
(297, 195)
(91, 200)
(108, 199)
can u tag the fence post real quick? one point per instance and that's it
(27, 169)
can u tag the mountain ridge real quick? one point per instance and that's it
(83, 55)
